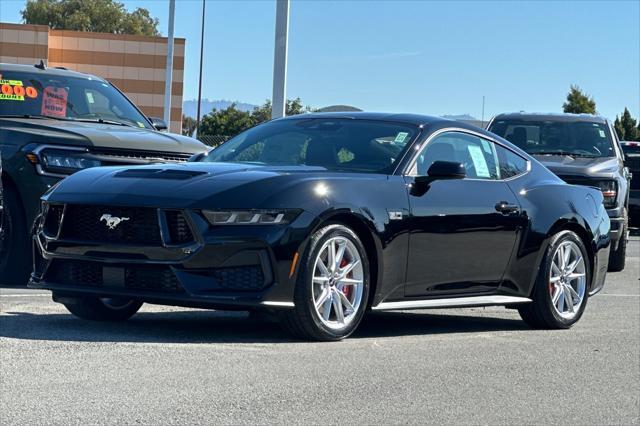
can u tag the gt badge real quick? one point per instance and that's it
(395, 215)
(112, 221)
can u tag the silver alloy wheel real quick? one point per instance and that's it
(338, 282)
(567, 279)
(116, 303)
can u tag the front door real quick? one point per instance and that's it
(463, 231)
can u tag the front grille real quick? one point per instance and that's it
(75, 272)
(179, 230)
(92, 223)
(92, 274)
(151, 278)
(577, 180)
(114, 156)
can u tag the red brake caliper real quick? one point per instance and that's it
(346, 289)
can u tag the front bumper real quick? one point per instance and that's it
(224, 267)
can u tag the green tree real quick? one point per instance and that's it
(627, 127)
(104, 16)
(263, 112)
(226, 122)
(188, 125)
(579, 102)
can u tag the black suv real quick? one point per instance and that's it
(54, 122)
(631, 151)
(581, 149)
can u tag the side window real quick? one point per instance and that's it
(511, 164)
(476, 154)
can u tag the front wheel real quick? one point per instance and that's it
(561, 289)
(333, 286)
(103, 309)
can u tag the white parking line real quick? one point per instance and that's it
(25, 295)
(617, 295)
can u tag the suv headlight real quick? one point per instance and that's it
(250, 217)
(61, 161)
(609, 190)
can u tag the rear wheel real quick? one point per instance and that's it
(561, 290)
(103, 309)
(617, 258)
(333, 287)
(15, 257)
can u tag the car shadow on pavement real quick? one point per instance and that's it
(230, 327)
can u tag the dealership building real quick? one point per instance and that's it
(135, 64)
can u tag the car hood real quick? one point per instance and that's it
(208, 185)
(84, 134)
(564, 165)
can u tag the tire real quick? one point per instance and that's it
(15, 256)
(96, 309)
(325, 323)
(618, 257)
(541, 312)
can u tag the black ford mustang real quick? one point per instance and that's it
(321, 217)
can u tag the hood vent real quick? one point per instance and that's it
(159, 174)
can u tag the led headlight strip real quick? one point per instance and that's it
(249, 217)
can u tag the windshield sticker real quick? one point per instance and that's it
(90, 98)
(479, 162)
(602, 135)
(401, 137)
(140, 124)
(13, 90)
(54, 101)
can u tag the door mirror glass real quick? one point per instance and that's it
(158, 123)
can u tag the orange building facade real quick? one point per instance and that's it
(134, 64)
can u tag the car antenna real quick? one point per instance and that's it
(41, 65)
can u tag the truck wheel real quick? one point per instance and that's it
(15, 256)
(103, 309)
(618, 257)
(561, 290)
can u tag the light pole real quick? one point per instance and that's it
(200, 78)
(278, 107)
(169, 72)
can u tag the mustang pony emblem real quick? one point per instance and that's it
(112, 221)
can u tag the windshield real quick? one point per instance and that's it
(555, 137)
(65, 98)
(335, 144)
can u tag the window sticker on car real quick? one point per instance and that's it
(479, 162)
(90, 98)
(401, 137)
(13, 90)
(140, 124)
(602, 135)
(54, 101)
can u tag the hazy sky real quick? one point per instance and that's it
(426, 57)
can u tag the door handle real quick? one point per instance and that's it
(506, 208)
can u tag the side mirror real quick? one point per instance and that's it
(447, 170)
(439, 170)
(158, 123)
(197, 157)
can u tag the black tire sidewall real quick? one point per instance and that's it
(15, 257)
(304, 287)
(94, 309)
(542, 291)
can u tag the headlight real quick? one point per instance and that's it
(57, 161)
(609, 190)
(250, 217)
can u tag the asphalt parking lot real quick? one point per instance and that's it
(179, 366)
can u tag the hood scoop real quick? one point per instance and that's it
(170, 174)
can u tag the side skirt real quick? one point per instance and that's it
(456, 302)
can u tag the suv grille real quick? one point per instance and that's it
(125, 157)
(89, 223)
